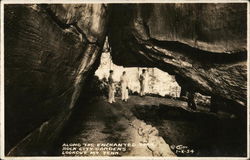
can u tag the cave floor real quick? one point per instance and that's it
(151, 126)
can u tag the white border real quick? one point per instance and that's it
(119, 1)
(248, 81)
(125, 158)
(2, 85)
(2, 156)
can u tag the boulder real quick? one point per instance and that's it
(203, 45)
(49, 52)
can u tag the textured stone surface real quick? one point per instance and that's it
(49, 52)
(204, 45)
(148, 137)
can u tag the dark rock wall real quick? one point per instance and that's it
(49, 52)
(204, 45)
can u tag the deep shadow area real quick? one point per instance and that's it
(207, 134)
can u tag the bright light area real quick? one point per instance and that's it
(159, 82)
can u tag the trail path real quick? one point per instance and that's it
(148, 126)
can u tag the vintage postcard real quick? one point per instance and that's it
(124, 79)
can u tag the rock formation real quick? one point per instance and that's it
(51, 50)
(204, 45)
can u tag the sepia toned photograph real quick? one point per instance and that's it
(121, 80)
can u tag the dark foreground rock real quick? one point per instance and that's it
(49, 52)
